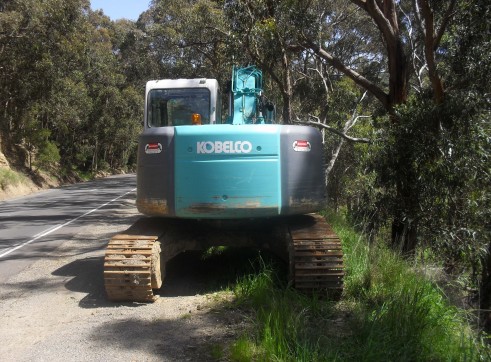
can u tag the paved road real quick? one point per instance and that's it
(54, 308)
(32, 227)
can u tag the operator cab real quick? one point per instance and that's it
(182, 102)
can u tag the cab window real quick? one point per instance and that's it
(176, 107)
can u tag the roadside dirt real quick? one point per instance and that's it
(27, 186)
(56, 309)
(18, 190)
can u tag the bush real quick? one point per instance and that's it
(48, 156)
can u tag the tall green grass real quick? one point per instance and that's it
(404, 317)
(283, 320)
(387, 312)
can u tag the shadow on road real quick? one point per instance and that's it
(188, 274)
(86, 278)
(183, 339)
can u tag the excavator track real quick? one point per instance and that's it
(316, 256)
(132, 268)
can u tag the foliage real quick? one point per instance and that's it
(58, 59)
(411, 319)
(188, 38)
(48, 156)
(387, 312)
(282, 320)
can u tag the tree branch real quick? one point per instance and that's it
(385, 22)
(318, 123)
(446, 18)
(429, 42)
(356, 77)
(362, 4)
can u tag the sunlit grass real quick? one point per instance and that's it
(405, 317)
(244, 350)
(387, 312)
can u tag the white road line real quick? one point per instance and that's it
(45, 232)
(58, 227)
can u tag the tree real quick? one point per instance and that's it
(263, 31)
(36, 52)
(188, 37)
(469, 64)
(57, 59)
(391, 22)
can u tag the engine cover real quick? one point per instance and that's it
(230, 171)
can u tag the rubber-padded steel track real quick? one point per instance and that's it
(129, 265)
(316, 255)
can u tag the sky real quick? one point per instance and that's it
(117, 9)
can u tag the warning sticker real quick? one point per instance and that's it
(302, 146)
(152, 148)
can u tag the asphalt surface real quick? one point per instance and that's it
(31, 227)
(53, 305)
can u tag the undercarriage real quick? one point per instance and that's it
(134, 264)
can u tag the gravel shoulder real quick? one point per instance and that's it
(56, 309)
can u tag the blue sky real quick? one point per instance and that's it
(117, 9)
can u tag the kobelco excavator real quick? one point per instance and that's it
(204, 180)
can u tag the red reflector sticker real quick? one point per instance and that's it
(151, 148)
(302, 146)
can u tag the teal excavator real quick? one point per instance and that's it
(204, 180)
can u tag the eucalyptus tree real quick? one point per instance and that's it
(116, 116)
(37, 55)
(188, 38)
(58, 73)
(266, 33)
(431, 156)
(467, 220)
(132, 47)
(386, 25)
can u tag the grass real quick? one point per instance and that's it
(10, 177)
(244, 350)
(405, 317)
(388, 312)
(284, 320)
(216, 351)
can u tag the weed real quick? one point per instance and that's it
(244, 350)
(186, 316)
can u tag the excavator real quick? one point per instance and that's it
(204, 181)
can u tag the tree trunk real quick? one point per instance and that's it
(404, 235)
(404, 222)
(398, 74)
(287, 92)
(286, 113)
